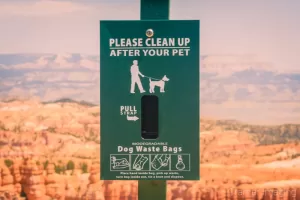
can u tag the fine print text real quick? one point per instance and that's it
(149, 46)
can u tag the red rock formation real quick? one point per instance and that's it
(15, 171)
(193, 192)
(7, 180)
(55, 186)
(95, 189)
(7, 188)
(112, 190)
(134, 190)
(42, 187)
(127, 191)
(71, 192)
(34, 185)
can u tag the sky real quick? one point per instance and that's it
(267, 28)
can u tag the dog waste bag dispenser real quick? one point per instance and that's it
(149, 99)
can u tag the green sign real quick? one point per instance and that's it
(149, 74)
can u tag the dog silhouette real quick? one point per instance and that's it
(160, 84)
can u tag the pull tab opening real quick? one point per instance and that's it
(149, 117)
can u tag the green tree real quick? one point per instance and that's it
(8, 162)
(84, 168)
(70, 165)
(46, 164)
(60, 169)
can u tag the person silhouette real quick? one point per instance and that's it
(135, 79)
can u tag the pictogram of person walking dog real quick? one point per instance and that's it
(153, 82)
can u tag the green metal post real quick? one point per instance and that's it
(153, 10)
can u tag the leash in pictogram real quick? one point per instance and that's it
(152, 78)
